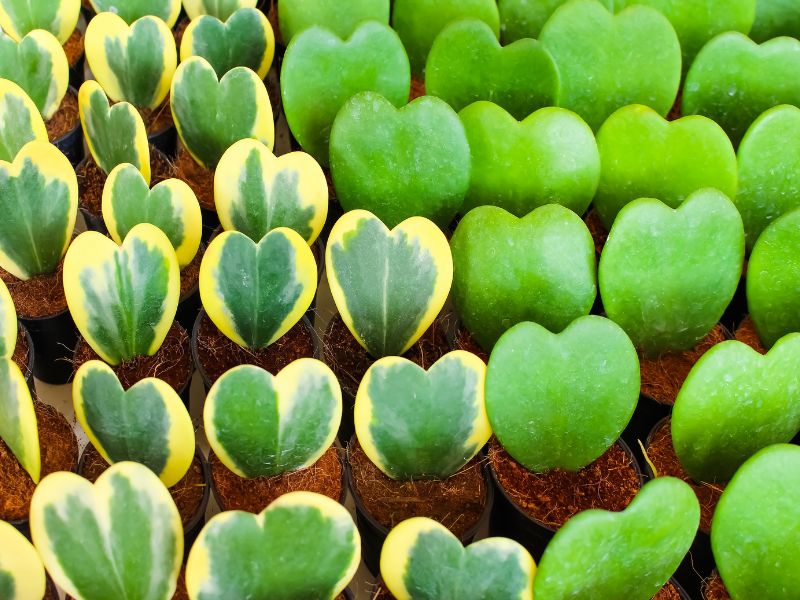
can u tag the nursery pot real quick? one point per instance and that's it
(71, 143)
(647, 414)
(54, 338)
(27, 370)
(165, 140)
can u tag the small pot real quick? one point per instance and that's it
(737, 309)
(646, 416)
(188, 308)
(54, 338)
(71, 144)
(165, 140)
(210, 224)
(28, 371)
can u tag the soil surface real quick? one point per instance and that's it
(159, 119)
(714, 589)
(21, 354)
(465, 341)
(197, 177)
(65, 119)
(190, 274)
(73, 47)
(746, 333)
(597, 229)
(417, 88)
(40, 296)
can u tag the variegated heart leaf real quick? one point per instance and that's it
(8, 323)
(221, 9)
(389, 286)
(255, 191)
(260, 425)
(19, 17)
(414, 424)
(20, 120)
(212, 113)
(119, 538)
(135, 62)
(132, 10)
(147, 423)
(422, 560)
(303, 545)
(123, 298)
(340, 18)
(256, 292)
(22, 575)
(18, 428)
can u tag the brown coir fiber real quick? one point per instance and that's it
(159, 119)
(73, 47)
(190, 274)
(662, 454)
(40, 296)
(553, 497)
(714, 588)
(417, 88)
(172, 363)
(675, 112)
(254, 495)
(65, 119)
(59, 451)
(465, 341)
(663, 377)
(197, 177)
(50, 590)
(179, 30)
(21, 354)
(747, 334)
(668, 592)
(456, 502)
(597, 229)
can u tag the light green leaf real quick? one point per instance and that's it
(524, 18)
(775, 18)
(342, 18)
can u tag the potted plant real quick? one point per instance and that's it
(296, 17)
(133, 10)
(21, 570)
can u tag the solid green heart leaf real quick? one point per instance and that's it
(221, 9)
(417, 424)
(303, 545)
(123, 298)
(342, 18)
(599, 555)
(371, 59)
(147, 424)
(467, 64)
(18, 427)
(388, 286)
(400, 163)
(645, 156)
(19, 17)
(119, 538)
(666, 275)
(212, 113)
(775, 18)
(256, 292)
(8, 323)
(608, 61)
(22, 575)
(132, 10)
(538, 268)
(549, 158)
(525, 18)
(260, 425)
(20, 120)
(422, 560)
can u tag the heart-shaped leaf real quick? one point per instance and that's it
(372, 59)
(171, 206)
(221, 9)
(538, 268)
(422, 560)
(414, 424)
(755, 531)
(123, 298)
(8, 323)
(733, 80)
(340, 18)
(39, 204)
(244, 40)
(115, 134)
(22, 574)
(630, 554)
(400, 163)
(419, 22)
(467, 64)
(147, 424)
(645, 156)
(255, 191)
(734, 402)
(549, 158)
(133, 10)
(303, 545)
(389, 286)
(18, 428)
(119, 538)
(525, 18)
(773, 280)
(19, 17)
(775, 18)
(561, 400)
(212, 114)
(20, 120)
(38, 64)
(134, 62)
(260, 426)
(666, 275)
(607, 61)
(256, 292)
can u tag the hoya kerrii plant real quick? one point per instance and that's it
(132, 10)
(525, 18)
(775, 18)
(18, 426)
(221, 9)
(19, 17)
(295, 17)
(22, 575)
(21, 122)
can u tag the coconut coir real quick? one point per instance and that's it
(21, 354)
(59, 452)
(747, 334)
(190, 274)
(465, 341)
(197, 177)
(254, 495)
(158, 119)
(65, 119)
(37, 297)
(714, 588)
(73, 47)
(597, 229)
(417, 88)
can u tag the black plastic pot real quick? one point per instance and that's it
(28, 370)
(54, 339)
(165, 140)
(188, 308)
(684, 594)
(76, 74)
(737, 309)
(94, 222)
(210, 224)
(647, 414)
(71, 144)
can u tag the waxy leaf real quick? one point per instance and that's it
(211, 114)
(645, 156)
(389, 286)
(256, 192)
(39, 204)
(303, 545)
(147, 424)
(8, 323)
(19, 17)
(134, 62)
(372, 59)
(171, 206)
(422, 560)
(20, 120)
(599, 555)
(18, 428)
(256, 292)
(261, 425)
(115, 134)
(756, 528)
(666, 275)
(400, 163)
(132, 10)
(123, 298)
(417, 424)
(549, 158)
(525, 18)
(538, 268)
(22, 575)
(342, 18)
(608, 60)
(244, 40)
(38, 64)
(775, 18)
(467, 64)
(221, 9)
(119, 538)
